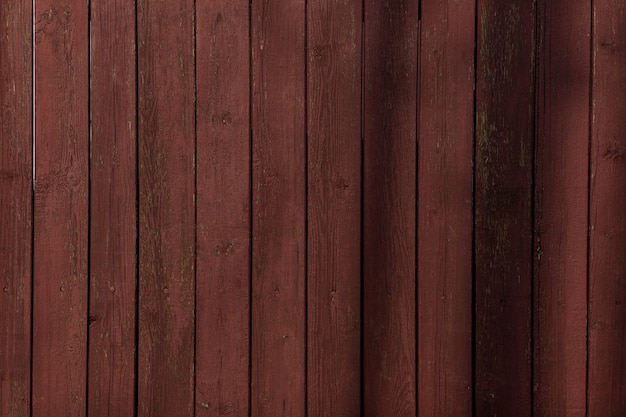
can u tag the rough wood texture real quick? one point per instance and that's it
(166, 208)
(334, 208)
(445, 209)
(607, 262)
(503, 207)
(223, 261)
(15, 206)
(560, 319)
(61, 208)
(113, 216)
(278, 192)
(389, 147)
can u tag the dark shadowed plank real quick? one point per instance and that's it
(166, 208)
(278, 191)
(113, 231)
(389, 141)
(15, 205)
(334, 207)
(61, 208)
(223, 166)
(560, 311)
(503, 206)
(607, 263)
(445, 209)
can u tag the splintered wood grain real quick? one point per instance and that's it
(113, 219)
(278, 194)
(61, 209)
(446, 119)
(607, 263)
(166, 208)
(334, 208)
(503, 207)
(561, 201)
(223, 198)
(15, 206)
(389, 147)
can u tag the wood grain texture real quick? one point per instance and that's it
(389, 199)
(445, 209)
(505, 105)
(166, 208)
(561, 201)
(113, 215)
(15, 206)
(279, 205)
(61, 208)
(334, 208)
(607, 263)
(223, 204)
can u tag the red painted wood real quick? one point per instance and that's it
(223, 198)
(389, 147)
(446, 120)
(561, 198)
(113, 217)
(166, 208)
(15, 206)
(334, 208)
(278, 193)
(61, 209)
(503, 207)
(607, 264)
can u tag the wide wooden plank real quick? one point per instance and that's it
(278, 196)
(61, 208)
(446, 120)
(166, 208)
(561, 197)
(607, 263)
(113, 216)
(223, 198)
(15, 205)
(503, 207)
(389, 207)
(334, 208)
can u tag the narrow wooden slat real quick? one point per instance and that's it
(113, 217)
(503, 207)
(607, 262)
(389, 141)
(223, 190)
(334, 207)
(278, 192)
(61, 208)
(446, 122)
(15, 206)
(561, 198)
(166, 208)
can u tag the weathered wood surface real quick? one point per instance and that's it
(334, 208)
(444, 187)
(15, 206)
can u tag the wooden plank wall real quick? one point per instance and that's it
(312, 208)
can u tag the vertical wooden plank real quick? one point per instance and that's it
(607, 264)
(389, 148)
(445, 208)
(15, 206)
(334, 207)
(61, 208)
(113, 217)
(561, 200)
(503, 207)
(223, 166)
(278, 190)
(166, 208)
